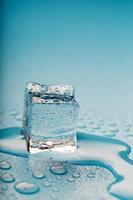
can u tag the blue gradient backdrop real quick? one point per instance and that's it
(88, 44)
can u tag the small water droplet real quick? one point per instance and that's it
(7, 177)
(38, 174)
(81, 125)
(95, 127)
(130, 135)
(110, 134)
(58, 177)
(25, 171)
(127, 129)
(91, 175)
(76, 174)
(113, 130)
(5, 164)
(46, 184)
(29, 168)
(4, 188)
(90, 122)
(58, 169)
(70, 179)
(98, 167)
(128, 125)
(55, 189)
(26, 188)
(112, 124)
(50, 180)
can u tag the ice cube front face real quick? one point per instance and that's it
(50, 117)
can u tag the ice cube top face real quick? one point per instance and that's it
(52, 90)
(50, 117)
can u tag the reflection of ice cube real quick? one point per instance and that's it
(50, 116)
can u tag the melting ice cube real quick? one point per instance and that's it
(50, 116)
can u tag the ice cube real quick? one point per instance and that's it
(50, 117)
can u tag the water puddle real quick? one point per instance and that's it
(95, 150)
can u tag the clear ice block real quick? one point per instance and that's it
(50, 117)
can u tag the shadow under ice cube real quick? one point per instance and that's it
(50, 117)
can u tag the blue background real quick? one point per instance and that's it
(88, 44)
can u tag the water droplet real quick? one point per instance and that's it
(130, 135)
(81, 125)
(90, 122)
(112, 124)
(38, 174)
(5, 164)
(46, 184)
(98, 167)
(58, 177)
(50, 180)
(113, 130)
(26, 188)
(70, 179)
(128, 125)
(55, 189)
(29, 168)
(4, 188)
(127, 129)
(58, 168)
(91, 175)
(95, 127)
(25, 171)
(7, 177)
(76, 174)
